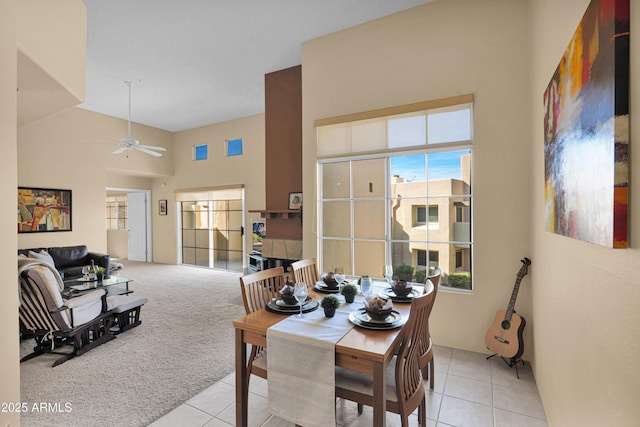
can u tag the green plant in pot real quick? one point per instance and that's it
(349, 291)
(329, 305)
(101, 272)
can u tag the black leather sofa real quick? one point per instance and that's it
(69, 260)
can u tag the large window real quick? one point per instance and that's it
(402, 199)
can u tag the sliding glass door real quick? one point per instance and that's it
(212, 233)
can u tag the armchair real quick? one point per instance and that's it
(81, 322)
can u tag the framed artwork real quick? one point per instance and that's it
(162, 207)
(43, 210)
(586, 130)
(295, 200)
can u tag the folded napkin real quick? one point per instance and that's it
(301, 367)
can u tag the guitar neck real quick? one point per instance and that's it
(514, 296)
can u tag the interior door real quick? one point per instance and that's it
(137, 239)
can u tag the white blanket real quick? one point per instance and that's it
(301, 366)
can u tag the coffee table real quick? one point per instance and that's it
(113, 286)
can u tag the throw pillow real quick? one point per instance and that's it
(42, 256)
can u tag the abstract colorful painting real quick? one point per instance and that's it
(43, 210)
(586, 125)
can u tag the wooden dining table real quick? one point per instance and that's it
(363, 350)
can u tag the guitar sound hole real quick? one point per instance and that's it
(505, 324)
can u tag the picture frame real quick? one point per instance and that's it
(162, 207)
(295, 200)
(42, 210)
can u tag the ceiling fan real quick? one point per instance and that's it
(130, 143)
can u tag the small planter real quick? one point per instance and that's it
(329, 312)
(349, 291)
(329, 305)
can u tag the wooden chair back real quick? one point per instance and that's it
(306, 271)
(409, 387)
(260, 287)
(435, 277)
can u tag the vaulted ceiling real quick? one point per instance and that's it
(203, 61)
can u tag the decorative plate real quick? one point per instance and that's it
(309, 306)
(362, 315)
(280, 303)
(321, 287)
(355, 317)
(388, 293)
(86, 279)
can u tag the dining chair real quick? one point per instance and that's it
(405, 390)
(306, 271)
(426, 346)
(257, 290)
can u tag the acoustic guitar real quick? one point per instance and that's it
(504, 337)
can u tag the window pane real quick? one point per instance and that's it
(450, 173)
(334, 139)
(407, 131)
(202, 238)
(188, 220)
(335, 180)
(202, 257)
(369, 135)
(336, 219)
(369, 219)
(411, 168)
(235, 241)
(369, 258)
(404, 258)
(404, 220)
(369, 178)
(449, 124)
(188, 255)
(336, 253)
(189, 239)
(220, 220)
(421, 214)
(433, 213)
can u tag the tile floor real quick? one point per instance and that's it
(469, 391)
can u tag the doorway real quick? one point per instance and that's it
(129, 224)
(212, 229)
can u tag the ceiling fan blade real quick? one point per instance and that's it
(152, 147)
(144, 150)
(121, 150)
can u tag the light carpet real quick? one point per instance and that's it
(184, 344)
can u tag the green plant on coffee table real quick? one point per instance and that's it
(100, 271)
(403, 272)
(330, 302)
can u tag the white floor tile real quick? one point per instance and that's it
(462, 413)
(183, 416)
(469, 391)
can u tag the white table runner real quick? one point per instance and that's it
(301, 366)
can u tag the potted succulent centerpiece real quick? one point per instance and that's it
(101, 273)
(330, 304)
(349, 291)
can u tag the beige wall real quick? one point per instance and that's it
(9, 350)
(585, 297)
(219, 170)
(435, 51)
(54, 153)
